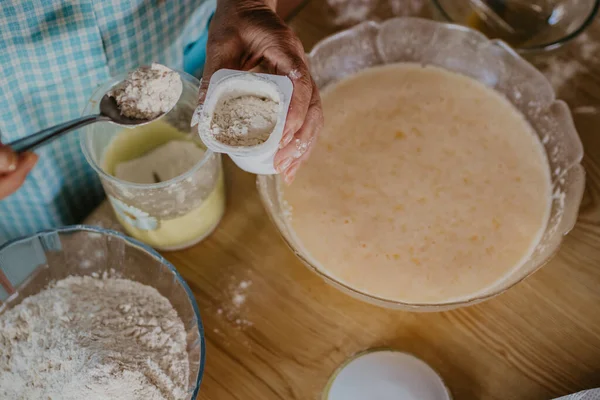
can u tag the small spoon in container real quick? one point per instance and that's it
(109, 112)
(157, 83)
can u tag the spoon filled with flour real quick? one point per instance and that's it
(147, 94)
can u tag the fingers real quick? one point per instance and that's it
(288, 59)
(293, 154)
(10, 182)
(247, 35)
(8, 160)
(305, 117)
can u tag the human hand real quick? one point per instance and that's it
(248, 34)
(13, 170)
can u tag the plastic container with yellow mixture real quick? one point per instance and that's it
(169, 212)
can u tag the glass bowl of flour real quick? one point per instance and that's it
(86, 311)
(399, 205)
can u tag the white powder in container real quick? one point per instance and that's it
(148, 92)
(246, 120)
(93, 339)
(244, 116)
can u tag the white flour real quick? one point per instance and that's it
(93, 339)
(166, 162)
(148, 92)
(233, 310)
(563, 68)
(245, 120)
(351, 12)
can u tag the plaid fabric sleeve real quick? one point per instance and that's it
(53, 54)
(51, 58)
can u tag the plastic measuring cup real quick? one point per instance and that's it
(227, 83)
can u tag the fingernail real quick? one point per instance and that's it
(291, 174)
(285, 164)
(286, 140)
(32, 159)
(8, 161)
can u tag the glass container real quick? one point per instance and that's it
(546, 24)
(28, 265)
(168, 215)
(491, 62)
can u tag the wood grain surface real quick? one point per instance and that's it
(274, 330)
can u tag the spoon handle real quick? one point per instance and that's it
(47, 135)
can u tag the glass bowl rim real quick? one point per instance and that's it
(154, 254)
(538, 47)
(113, 80)
(262, 181)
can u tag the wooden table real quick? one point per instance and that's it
(275, 330)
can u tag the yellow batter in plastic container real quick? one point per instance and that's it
(161, 233)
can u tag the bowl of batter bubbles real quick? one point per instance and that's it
(446, 173)
(87, 312)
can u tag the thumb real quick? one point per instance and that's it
(11, 182)
(8, 159)
(218, 55)
(224, 54)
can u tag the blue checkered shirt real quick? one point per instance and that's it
(53, 54)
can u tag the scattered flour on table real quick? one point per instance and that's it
(238, 296)
(350, 12)
(166, 162)
(93, 339)
(246, 120)
(561, 68)
(148, 92)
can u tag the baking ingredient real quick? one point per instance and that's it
(164, 163)
(186, 230)
(246, 120)
(148, 92)
(386, 375)
(153, 147)
(88, 338)
(135, 143)
(233, 309)
(351, 12)
(564, 67)
(442, 188)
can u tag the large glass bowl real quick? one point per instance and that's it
(567, 19)
(28, 265)
(467, 52)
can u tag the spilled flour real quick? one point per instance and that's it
(244, 121)
(238, 293)
(563, 68)
(148, 92)
(351, 12)
(93, 339)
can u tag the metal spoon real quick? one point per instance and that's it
(109, 112)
